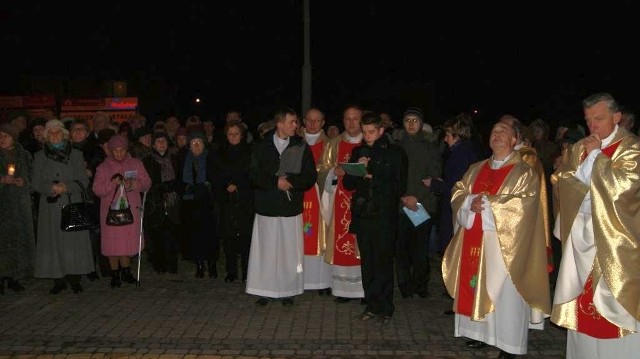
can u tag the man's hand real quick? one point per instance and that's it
(231, 188)
(58, 188)
(283, 184)
(476, 204)
(592, 142)
(410, 202)
(338, 171)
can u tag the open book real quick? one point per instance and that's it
(417, 217)
(354, 169)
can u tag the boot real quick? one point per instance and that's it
(212, 269)
(15, 285)
(1, 286)
(199, 269)
(115, 278)
(59, 284)
(172, 264)
(127, 277)
(74, 282)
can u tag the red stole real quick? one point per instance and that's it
(488, 181)
(311, 214)
(589, 320)
(344, 250)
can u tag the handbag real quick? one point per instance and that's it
(79, 216)
(118, 214)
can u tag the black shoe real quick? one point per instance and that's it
(287, 301)
(449, 312)
(505, 355)
(324, 291)
(1, 286)
(262, 301)
(423, 294)
(127, 276)
(363, 301)
(406, 295)
(77, 288)
(58, 286)
(244, 278)
(115, 278)
(212, 269)
(15, 285)
(476, 344)
(200, 269)
(93, 276)
(229, 278)
(342, 300)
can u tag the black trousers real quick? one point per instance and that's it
(412, 256)
(375, 242)
(235, 246)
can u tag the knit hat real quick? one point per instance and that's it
(52, 124)
(10, 130)
(39, 121)
(414, 111)
(141, 132)
(117, 141)
(159, 134)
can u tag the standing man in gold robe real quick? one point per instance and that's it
(495, 267)
(342, 250)
(597, 294)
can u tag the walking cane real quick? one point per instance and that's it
(144, 199)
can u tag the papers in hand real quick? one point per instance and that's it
(417, 217)
(354, 169)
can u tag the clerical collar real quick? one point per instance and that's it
(355, 139)
(495, 164)
(312, 137)
(280, 143)
(607, 141)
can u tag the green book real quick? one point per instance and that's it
(354, 169)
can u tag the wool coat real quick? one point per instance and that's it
(120, 240)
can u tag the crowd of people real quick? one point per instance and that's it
(526, 227)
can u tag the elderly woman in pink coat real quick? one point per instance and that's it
(119, 243)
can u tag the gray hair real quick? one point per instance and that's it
(591, 100)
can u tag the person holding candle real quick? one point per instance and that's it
(17, 242)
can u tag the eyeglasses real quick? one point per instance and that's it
(411, 120)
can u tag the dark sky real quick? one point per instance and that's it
(532, 59)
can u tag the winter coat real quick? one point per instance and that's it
(120, 240)
(59, 253)
(232, 165)
(17, 237)
(265, 163)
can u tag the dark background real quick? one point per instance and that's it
(532, 59)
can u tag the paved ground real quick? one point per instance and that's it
(179, 316)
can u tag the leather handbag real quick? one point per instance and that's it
(79, 216)
(119, 216)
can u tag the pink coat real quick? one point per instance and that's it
(120, 240)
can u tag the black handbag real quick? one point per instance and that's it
(79, 216)
(119, 217)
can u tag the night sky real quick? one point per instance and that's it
(531, 59)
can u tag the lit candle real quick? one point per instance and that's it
(11, 169)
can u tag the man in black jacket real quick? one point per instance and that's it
(282, 169)
(374, 214)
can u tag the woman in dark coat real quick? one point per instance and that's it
(235, 199)
(17, 242)
(461, 153)
(201, 242)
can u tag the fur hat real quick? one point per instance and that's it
(10, 130)
(52, 124)
(195, 131)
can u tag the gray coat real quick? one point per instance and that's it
(59, 253)
(17, 242)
